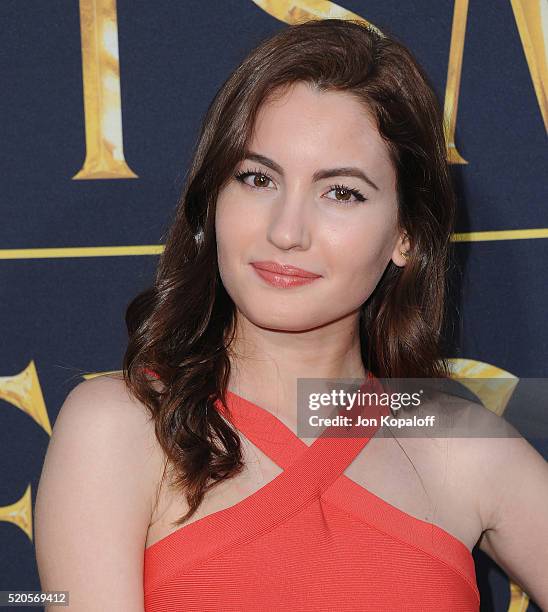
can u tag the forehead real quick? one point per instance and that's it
(304, 125)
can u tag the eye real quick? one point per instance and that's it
(346, 193)
(260, 181)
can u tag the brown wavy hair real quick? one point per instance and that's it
(182, 326)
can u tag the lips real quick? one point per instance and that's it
(285, 269)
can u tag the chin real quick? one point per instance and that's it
(291, 321)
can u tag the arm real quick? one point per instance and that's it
(95, 498)
(514, 508)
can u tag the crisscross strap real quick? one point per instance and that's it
(310, 474)
(328, 456)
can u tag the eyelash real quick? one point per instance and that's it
(240, 176)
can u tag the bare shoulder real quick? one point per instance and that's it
(113, 393)
(103, 406)
(479, 443)
(95, 496)
(511, 493)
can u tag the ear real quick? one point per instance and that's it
(403, 244)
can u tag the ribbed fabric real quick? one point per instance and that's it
(311, 539)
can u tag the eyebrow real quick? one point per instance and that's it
(318, 175)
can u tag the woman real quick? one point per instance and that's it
(311, 241)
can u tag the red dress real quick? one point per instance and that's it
(309, 540)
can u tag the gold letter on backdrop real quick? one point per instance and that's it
(23, 391)
(295, 11)
(452, 87)
(533, 31)
(102, 103)
(20, 512)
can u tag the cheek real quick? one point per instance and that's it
(235, 220)
(234, 238)
(359, 256)
(362, 242)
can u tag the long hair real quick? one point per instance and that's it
(182, 326)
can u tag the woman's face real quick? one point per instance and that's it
(287, 211)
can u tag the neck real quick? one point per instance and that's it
(266, 364)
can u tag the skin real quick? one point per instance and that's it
(311, 330)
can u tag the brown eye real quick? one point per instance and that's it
(260, 180)
(345, 194)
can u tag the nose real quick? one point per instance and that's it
(289, 226)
